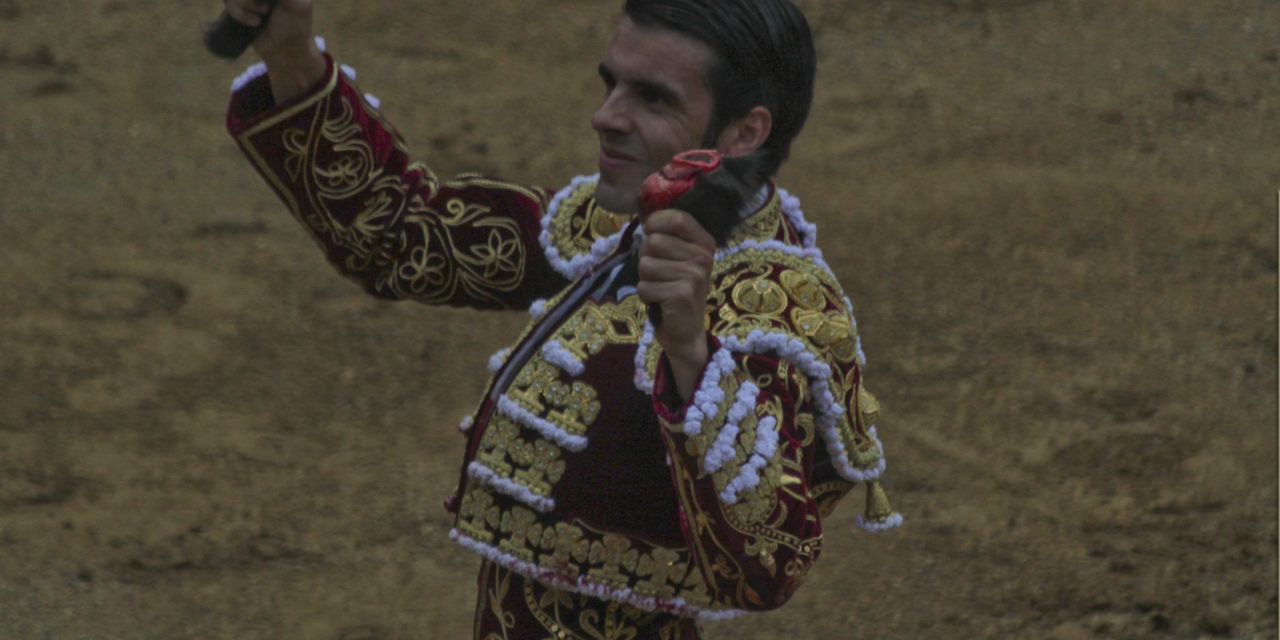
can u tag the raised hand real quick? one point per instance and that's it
(675, 273)
(286, 44)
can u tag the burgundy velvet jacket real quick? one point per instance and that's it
(582, 469)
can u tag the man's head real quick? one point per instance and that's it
(736, 75)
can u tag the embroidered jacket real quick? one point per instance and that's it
(581, 468)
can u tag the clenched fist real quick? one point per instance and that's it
(675, 273)
(287, 45)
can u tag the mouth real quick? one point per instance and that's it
(611, 158)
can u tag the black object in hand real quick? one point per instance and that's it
(228, 38)
(715, 200)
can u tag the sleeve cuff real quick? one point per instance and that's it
(252, 101)
(667, 402)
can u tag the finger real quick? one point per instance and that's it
(240, 13)
(673, 247)
(665, 293)
(653, 269)
(680, 224)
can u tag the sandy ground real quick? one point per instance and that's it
(1056, 220)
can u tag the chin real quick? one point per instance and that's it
(617, 200)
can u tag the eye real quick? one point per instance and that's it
(651, 96)
(606, 76)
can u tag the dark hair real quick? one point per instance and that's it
(764, 56)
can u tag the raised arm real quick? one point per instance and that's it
(345, 173)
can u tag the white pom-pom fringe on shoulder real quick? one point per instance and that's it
(791, 209)
(812, 254)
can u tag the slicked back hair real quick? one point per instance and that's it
(764, 56)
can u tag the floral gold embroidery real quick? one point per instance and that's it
(803, 288)
(831, 331)
(576, 227)
(759, 296)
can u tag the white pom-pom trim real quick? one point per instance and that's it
(892, 522)
(827, 411)
(791, 208)
(749, 474)
(259, 69)
(498, 359)
(555, 353)
(812, 254)
(721, 450)
(707, 399)
(465, 425)
(506, 485)
(583, 585)
(513, 410)
(577, 266)
(254, 71)
(642, 379)
(538, 308)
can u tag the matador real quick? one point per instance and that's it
(619, 479)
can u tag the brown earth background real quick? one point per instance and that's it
(1056, 220)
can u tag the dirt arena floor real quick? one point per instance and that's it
(1056, 219)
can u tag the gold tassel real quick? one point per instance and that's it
(878, 509)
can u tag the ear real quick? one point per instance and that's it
(746, 134)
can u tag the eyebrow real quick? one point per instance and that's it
(656, 88)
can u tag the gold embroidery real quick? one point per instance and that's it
(490, 263)
(763, 224)
(828, 494)
(831, 331)
(574, 549)
(803, 288)
(869, 406)
(415, 249)
(576, 227)
(759, 296)
(538, 389)
(534, 463)
(592, 327)
(496, 596)
(764, 549)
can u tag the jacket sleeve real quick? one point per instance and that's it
(382, 220)
(752, 453)
(740, 460)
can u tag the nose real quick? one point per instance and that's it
(611, 117)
